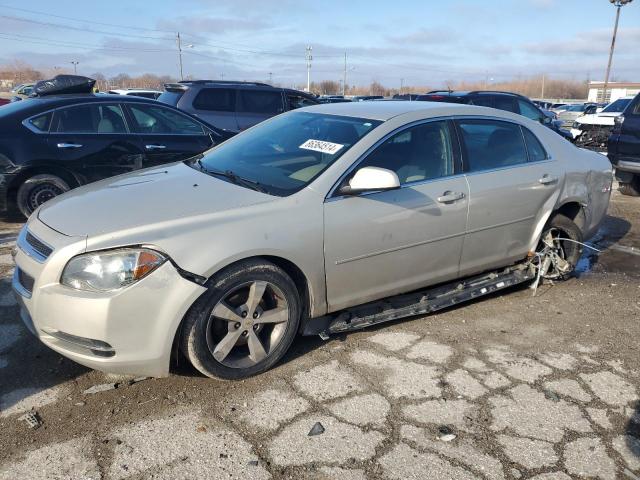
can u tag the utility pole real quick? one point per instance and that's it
(618, 4)
(309, 57)
(222, 76)
(75, 66)
(401, 85)
(542, 92)
(179, 54)
(270, 77)
(344, 78)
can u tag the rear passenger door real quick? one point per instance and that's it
(94, 140)
(510, 182)
(167, 135)
(217, 106)
(256, 105)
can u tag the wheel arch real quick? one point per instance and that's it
(68, 176)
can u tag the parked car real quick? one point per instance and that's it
(624, 148)
(51, 144)
(592, 131)
(233, 106)
(364, 98)
(572, 112)
(406, 96)
(136, 92)
(22, 91)
(281, 228)
(333, 100)
(511, 102)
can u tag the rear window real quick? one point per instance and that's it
(170, 98)
(536, 151)
(216, 99)
(260, 101)
(41, 122)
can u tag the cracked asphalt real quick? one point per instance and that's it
(508, 387)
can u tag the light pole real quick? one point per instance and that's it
(75, 66)
(179, 43)
(309, 57)
(618, 4)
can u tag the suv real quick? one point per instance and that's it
(233, 106)
(624, 148)
(511, 102)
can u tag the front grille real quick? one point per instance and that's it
(40, 247)
(26, 281)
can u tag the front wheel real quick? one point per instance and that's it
(244, 323)
(560, 248)
(37, 190)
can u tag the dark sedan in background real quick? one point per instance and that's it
(51, 144)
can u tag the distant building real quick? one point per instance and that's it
(615, 90)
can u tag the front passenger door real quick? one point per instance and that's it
(379, 244)
(167, 135)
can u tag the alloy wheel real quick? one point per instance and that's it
(247, 324)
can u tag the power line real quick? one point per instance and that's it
(46, 41)
(62, 17)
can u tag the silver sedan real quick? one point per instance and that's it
(232, 254)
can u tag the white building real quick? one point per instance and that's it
(615, 90)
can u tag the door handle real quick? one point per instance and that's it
(547, 179)
(69, 145)
(155, 147)
(448, 197)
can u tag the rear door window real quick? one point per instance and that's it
(260, 101)
(216, 99)
(491, 144)
(40, 123)
(505, 102)
(483, 101)
(90, 118)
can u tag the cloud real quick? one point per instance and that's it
(425, 36)
(588, 44)
(205, 25)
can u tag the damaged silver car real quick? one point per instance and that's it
(323, 220)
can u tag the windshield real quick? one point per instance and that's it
(576, 108)
(286, 153)
(617, 106)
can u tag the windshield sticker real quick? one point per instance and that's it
(322, 146)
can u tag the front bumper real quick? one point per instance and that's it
(130, 330)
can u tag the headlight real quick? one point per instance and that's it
(577, 125)
(110, 270)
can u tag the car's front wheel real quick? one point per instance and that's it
(37, 190)
(244, 323)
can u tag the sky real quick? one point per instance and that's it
(414, 42)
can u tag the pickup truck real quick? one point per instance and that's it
(624, 148)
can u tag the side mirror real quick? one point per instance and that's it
(547, 120)
(370, 179)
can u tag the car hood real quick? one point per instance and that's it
(151, 197)
(598, 119)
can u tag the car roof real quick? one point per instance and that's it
(389, 109)
(33, 105)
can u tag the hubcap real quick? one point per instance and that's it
(247, 324)
(41, 194)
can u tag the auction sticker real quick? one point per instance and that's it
(322, 146)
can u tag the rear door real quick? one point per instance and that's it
(166, 134)
(510, 181)
(383, 243)
(256, 105)
(94, 140)
(216, 106)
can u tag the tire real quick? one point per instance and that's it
(632, 189)
(569, 252)
(230, 294)
(37, 190)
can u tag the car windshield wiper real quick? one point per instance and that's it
(238, 180)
